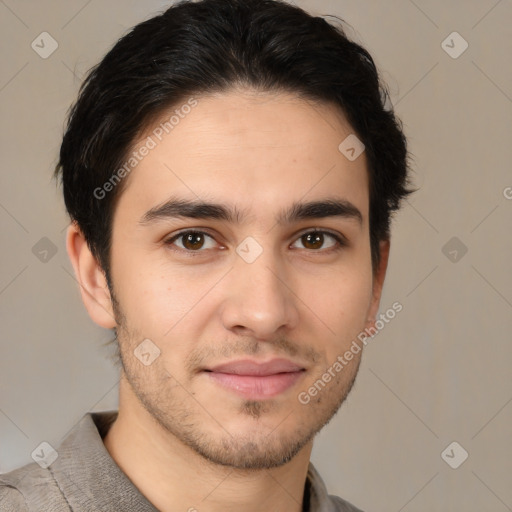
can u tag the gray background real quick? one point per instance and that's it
(438, 373)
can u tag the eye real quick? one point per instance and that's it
(316, 240)
(192, 241)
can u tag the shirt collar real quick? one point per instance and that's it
(90, 479)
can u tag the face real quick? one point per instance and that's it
(241, 250)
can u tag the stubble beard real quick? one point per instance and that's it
(184, 418)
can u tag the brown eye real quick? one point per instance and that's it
(192, 241)
(313, 240)
(316, 240)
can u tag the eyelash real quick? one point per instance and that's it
(340, 241)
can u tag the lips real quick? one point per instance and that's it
(247, 367)
(254, 380)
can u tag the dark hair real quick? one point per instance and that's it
(212, 46)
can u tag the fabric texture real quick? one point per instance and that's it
(84, 478)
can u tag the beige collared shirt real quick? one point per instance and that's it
(84, 478)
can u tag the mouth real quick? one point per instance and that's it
(255, 380)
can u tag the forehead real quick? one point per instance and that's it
(256, 150)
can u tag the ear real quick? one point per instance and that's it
(91, 278)
(378, 282)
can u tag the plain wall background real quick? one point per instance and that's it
(439, 372)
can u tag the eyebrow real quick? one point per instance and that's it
(176, 208)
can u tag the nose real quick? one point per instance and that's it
(259, 300)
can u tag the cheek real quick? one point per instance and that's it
(157, 304)
(343, 303)
(144, 293)
(164, 305)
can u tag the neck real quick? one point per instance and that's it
(172, 476)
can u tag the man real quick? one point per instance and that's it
(230, 170)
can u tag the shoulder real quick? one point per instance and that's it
(11, 499)
(23, 487)
(340, 505)
(320, 500)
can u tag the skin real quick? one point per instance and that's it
(181, 438)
